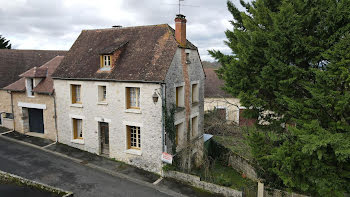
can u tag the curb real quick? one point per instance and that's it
(116, 174)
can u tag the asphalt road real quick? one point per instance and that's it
(63, 173)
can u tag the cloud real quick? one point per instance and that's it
(55, 24)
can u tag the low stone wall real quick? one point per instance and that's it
(196, 182)
(242, 165)
(269, 192)
(21, 180)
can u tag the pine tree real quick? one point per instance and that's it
(4, 44)
(292, 58)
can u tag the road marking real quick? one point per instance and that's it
(48, 145)
(157, 181)
(6, 132)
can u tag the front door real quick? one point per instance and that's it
(36, 120)
(104, 138)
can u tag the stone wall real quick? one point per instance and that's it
(21, 114)
(230, 104)
(242, 165)
(114, 112)
(196, 182)
(5, 107)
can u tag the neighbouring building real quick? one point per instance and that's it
(34, 101)
(12, 64)
(228, 107)
(115, 86)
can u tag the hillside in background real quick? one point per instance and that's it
(207, 64)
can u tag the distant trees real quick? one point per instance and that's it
(4, 44)
(292, 58)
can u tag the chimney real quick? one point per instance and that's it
(180, 29)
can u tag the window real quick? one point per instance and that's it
(133, 98)
(77, 129)
(102, 93)
(180, 96)
(75, 89)
(106, 61)
(30, 86)
(194, 126)
(9, 115)
(195, 93)
(134, 137)
(188, 58)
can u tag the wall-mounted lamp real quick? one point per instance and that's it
(155, 97)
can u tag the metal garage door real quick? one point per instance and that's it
(36, 120)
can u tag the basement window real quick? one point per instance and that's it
(134, 137)
(77, 129)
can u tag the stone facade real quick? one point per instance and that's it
(113, 112)
(21, 113)
(185, 73)
(5, 107)
(231, 105)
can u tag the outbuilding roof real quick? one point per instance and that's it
(14, 62)
(146, 53)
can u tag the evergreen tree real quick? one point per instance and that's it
(291, 58)
(4, 44)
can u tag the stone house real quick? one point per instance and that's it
(115, 87)
(34, 101)
(228, 107)
(12, 64)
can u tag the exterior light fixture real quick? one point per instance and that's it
(155, 97)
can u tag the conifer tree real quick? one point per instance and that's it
(290, 64)
(4, 44)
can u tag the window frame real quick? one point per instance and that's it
(179, 92)
(106, 61)
(102, 93)
(75, 124)
(195, 93)
(74, 91)
(128, 95)
(138, 137)
(194, 127)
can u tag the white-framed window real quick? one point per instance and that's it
(134, 137)
(102, 93)
(30, 87)
(195, 92)
(77, 128)
(106, 60)
(132, 98)
(179, 96)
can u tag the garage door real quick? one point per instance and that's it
(36, 120)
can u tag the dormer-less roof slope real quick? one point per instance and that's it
(14, 62)
(213, 85)
(146, 53)
(45, 71)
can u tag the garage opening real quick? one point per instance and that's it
(36, 120)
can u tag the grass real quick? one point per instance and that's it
(236, 144)
(225, 176)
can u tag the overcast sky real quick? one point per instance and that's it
(55, 24)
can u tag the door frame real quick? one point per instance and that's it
(101, 138)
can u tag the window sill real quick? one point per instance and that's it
(195, 103)
(30, 96)
(135, 111)
(179, 109)
(76, 105)
(77, 141)
(7, 118)
(133, 152)
(102, 103)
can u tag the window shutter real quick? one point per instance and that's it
(101, 61)
(127, 97)
(73, 91)
(75, 129)
(128, 137)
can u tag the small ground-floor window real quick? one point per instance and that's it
(134, 137)
(77, 129)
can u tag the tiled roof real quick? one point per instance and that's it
(146, 53)
(46, 84)
(14, 62)
(213, 85)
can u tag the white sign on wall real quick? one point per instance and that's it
(167, 158)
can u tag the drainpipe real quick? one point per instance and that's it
(12, 111)
(55, 116)
(163, 93)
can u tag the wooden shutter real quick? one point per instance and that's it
(101, 61)
(128, 137)
(75, 129)
(127, 98)
(73, 92)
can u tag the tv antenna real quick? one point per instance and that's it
(179, 4)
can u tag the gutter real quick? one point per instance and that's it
(107, 80)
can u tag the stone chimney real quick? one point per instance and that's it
(180, 29)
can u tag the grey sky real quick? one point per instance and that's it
(55, 24)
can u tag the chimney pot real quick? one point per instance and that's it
(180, 29)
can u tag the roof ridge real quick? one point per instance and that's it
(19, 50)
(129, 27)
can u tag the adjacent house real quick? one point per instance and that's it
(227, 107)
(34, 101)
(12, 64)
(115, 87)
